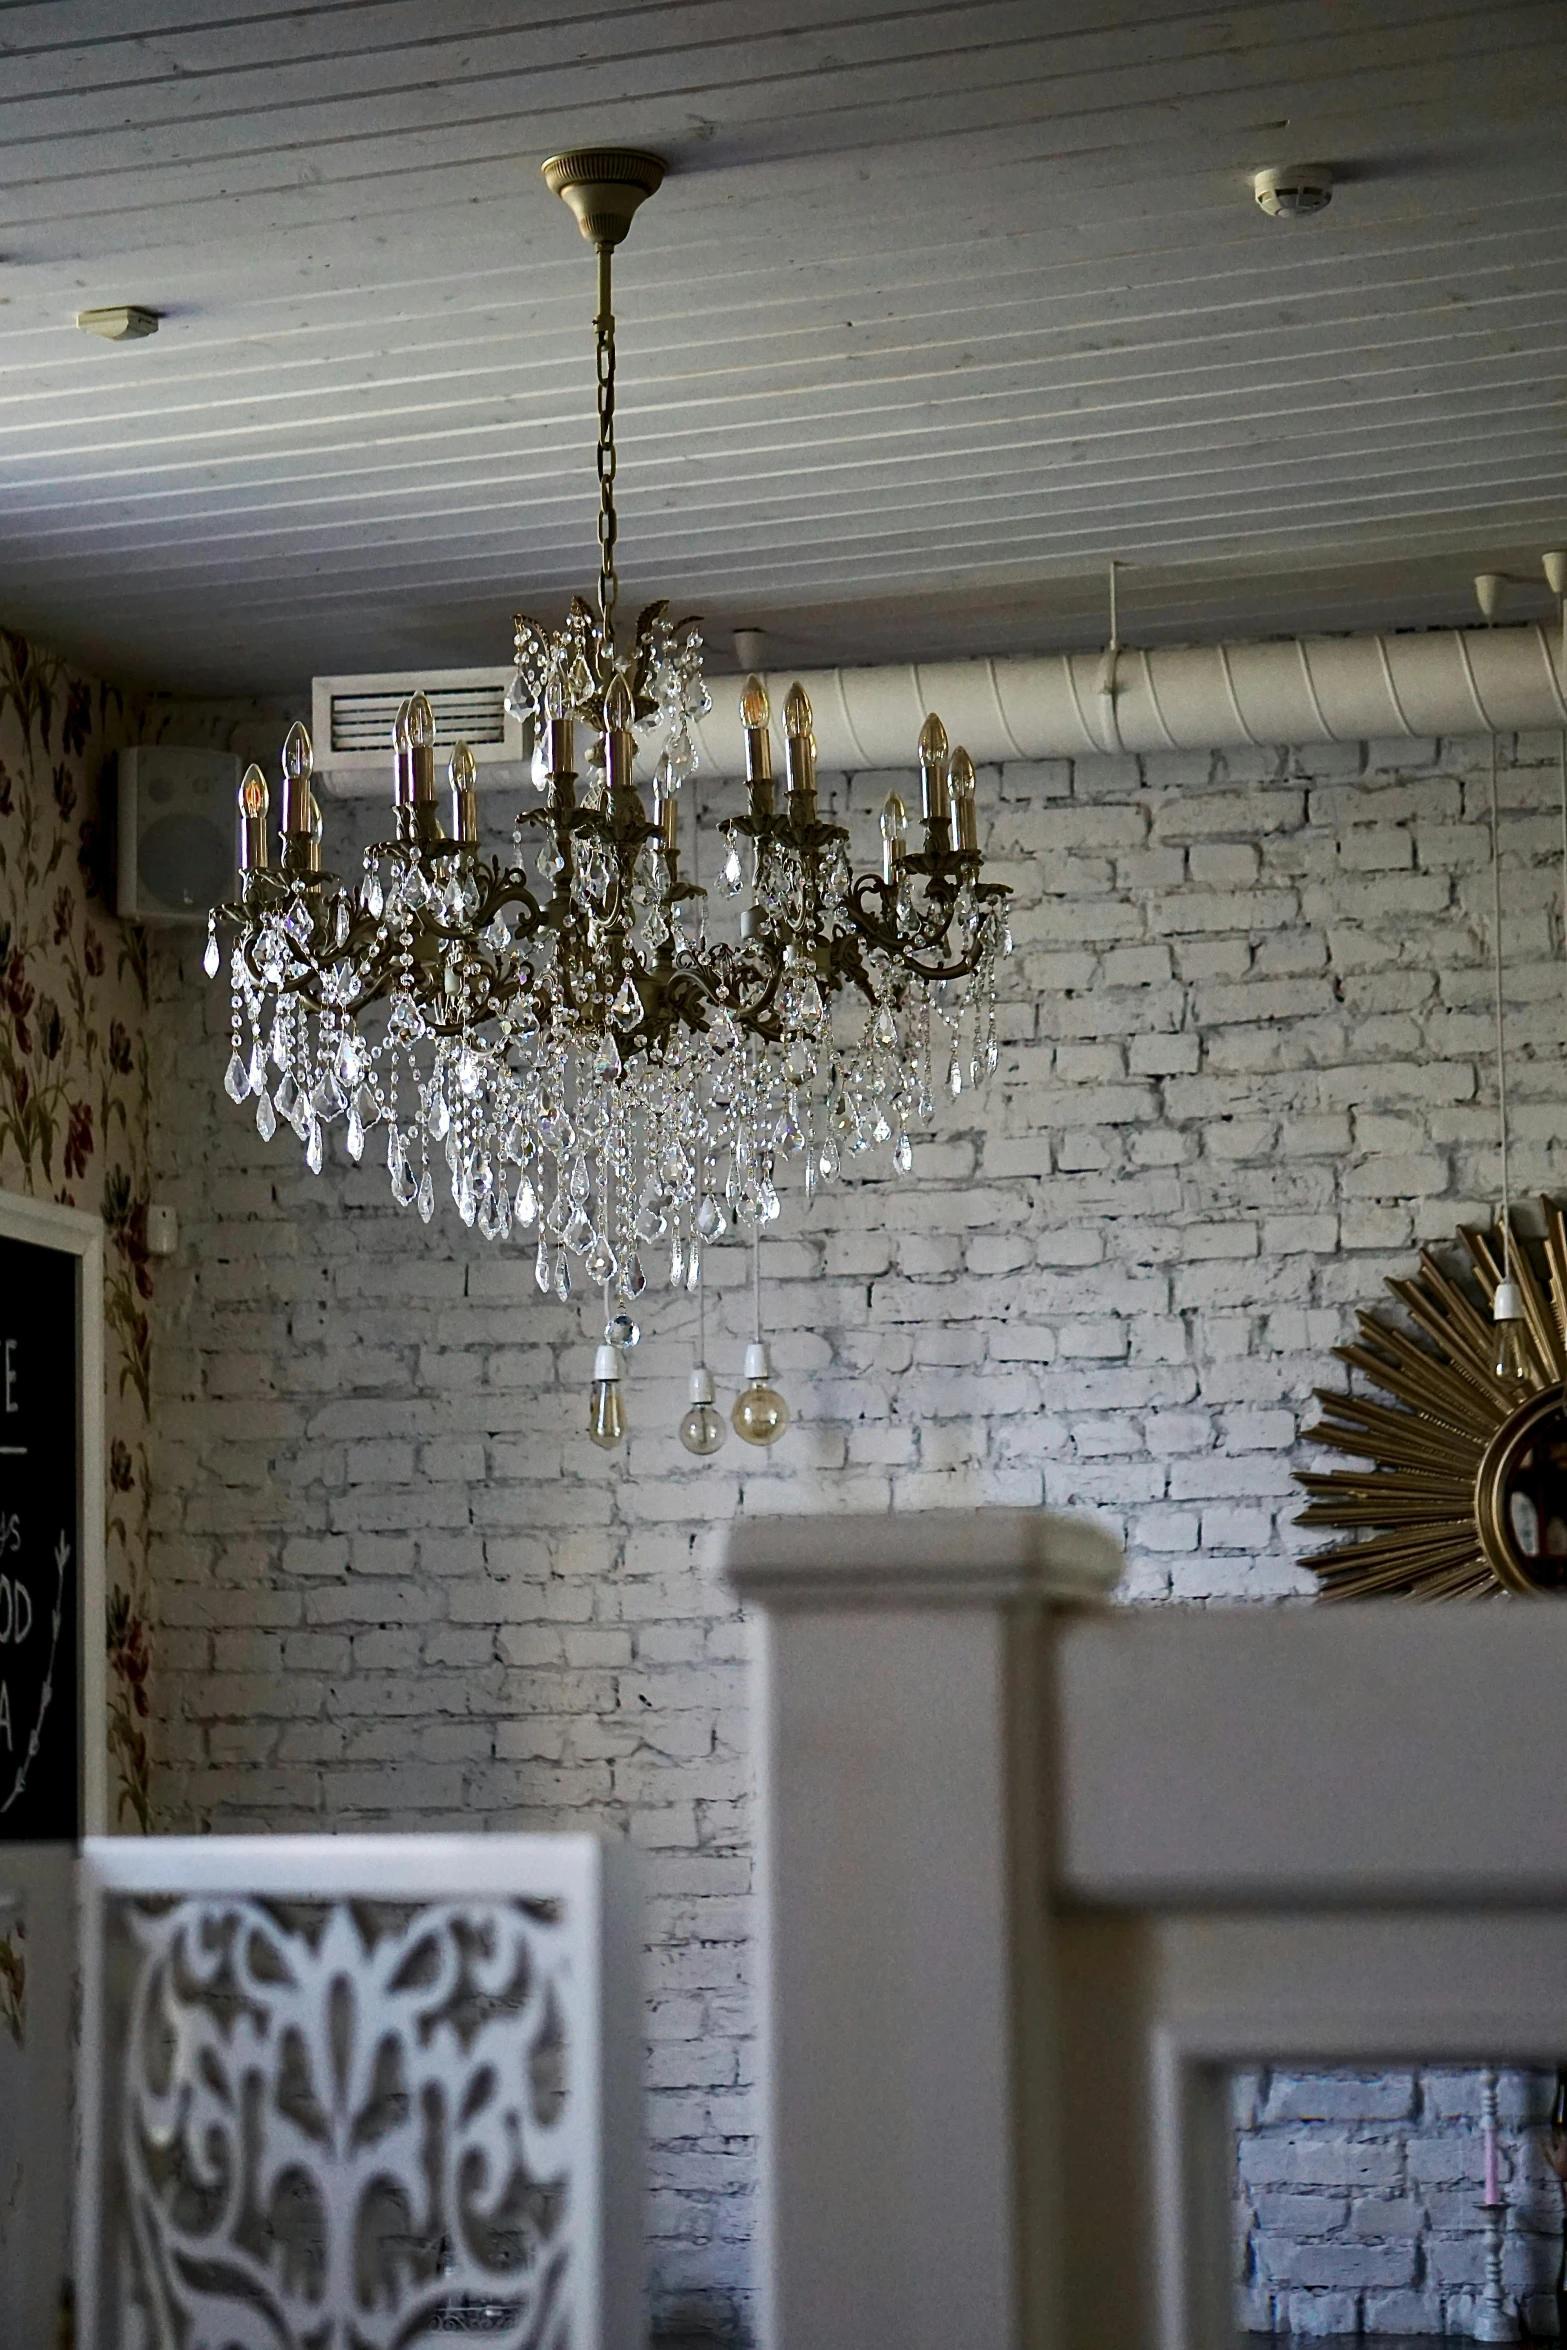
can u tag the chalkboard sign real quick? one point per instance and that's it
(49, 1547)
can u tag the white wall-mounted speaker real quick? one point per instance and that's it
(175, 833)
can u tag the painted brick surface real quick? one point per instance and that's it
(1358, 2202)
(1245, 1070)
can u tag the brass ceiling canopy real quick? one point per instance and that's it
(604, 187)
(1466, 1497)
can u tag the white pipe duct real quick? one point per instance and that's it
(1179, 698)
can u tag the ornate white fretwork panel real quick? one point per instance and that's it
(349, 2121)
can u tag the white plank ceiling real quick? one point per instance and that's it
(942, 306)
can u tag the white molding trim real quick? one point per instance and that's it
(932, 1558)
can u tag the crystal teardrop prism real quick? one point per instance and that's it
(711, 1221)
(266, 1117)
(627, 1007)
(212, 958)
(315, 1147)
(236, 1079)
(426, 1197)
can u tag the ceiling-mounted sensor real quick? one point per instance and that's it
(1288, 191)
(121, 322)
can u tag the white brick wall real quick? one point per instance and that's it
(1245, 1070)
(1358, 2201)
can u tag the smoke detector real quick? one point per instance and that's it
(120, 322)
(1288, 191)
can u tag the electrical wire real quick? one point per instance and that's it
(1501, 1045)
(756, 1281)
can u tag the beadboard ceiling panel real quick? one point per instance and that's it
(940, 308)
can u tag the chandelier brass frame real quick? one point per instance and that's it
(597, 1068)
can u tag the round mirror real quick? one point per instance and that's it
(1521, 1496)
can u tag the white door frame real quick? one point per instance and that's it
(1036, 1873)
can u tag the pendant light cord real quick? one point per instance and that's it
(1561, 755)
(756, 1282)
(1501, 1048)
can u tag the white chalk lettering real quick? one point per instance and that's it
(9, 1376)
(5, 1715)
(16, 1611)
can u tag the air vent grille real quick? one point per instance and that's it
(474, 714)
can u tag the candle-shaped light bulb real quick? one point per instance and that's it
(755, 718)
(800, 751)
(606, 1411)
(462, 774)
(252, 799)
(894, 836)
(964, 818)
(760, 1414)
(933, 770)
(619, 742)
(702, 1430)
(402, 764)
(294, 815)
(297, 752)
(555, 695)
(1511, 1360)
(421, 760)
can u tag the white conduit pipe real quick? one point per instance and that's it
(1179, 698)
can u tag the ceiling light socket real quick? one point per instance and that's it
(1555, 568)
(1489, 589)
(121, 322)
(604, 186)
(749, 643)
(1289, 191)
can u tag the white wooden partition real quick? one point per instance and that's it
(365, 2089)
(1036, 1873)
(37, 1892)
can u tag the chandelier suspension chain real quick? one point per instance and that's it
(604, 350)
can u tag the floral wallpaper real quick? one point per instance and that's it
(74, 1100)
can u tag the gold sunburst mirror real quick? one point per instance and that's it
(1466, 1495)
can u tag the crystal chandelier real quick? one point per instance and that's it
(601, 1073)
